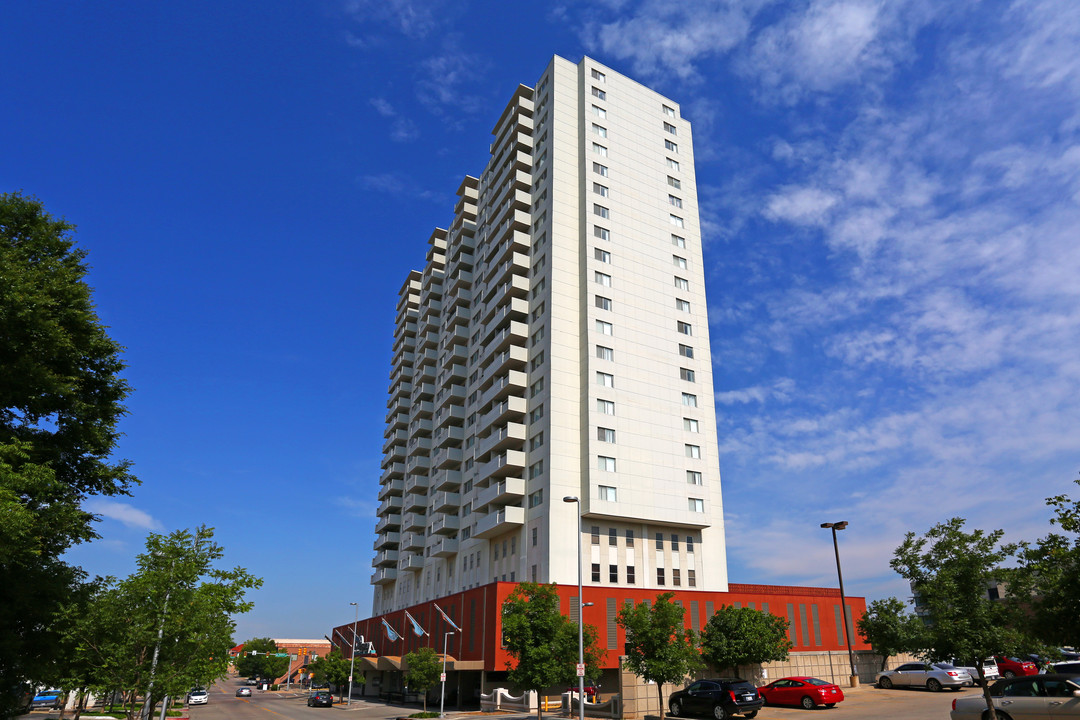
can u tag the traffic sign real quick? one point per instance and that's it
(581, 670)
(442, 677)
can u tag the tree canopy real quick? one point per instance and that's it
(743, 636)
(331, 668)
(61, 398)
(422, 670)
(659, 648)
(262, 664)
(542, 641)
(891, 630)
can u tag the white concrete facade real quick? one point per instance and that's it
(556, 344)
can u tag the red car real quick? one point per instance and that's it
(806, 691)
(1015, 667)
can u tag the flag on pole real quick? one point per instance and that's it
(390, 631)
(415, 625)
(447, 618)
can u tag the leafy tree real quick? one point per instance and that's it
(659, 648)
(332, 668)
(542, 641)
(743, 636)
(890, 630)
(262, 664)
(1048, 578)
(949, 569)
(61, 398)
(423, 668)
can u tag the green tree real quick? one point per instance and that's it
(890, 630)
(743, 636)
(949, 570)
(332, 668)
(659, 648)
(1048, 578)
(543, 642)
(422, 670)
(263, 663)
(61, 398)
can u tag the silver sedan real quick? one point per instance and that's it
(933, 677)
(1025, 698)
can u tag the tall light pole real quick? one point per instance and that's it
(442, 694)
(352, 660)
(580, 613)
(843, 602)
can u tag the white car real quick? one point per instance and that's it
(932, 677)
(1031, 696)
(198, 696)
(990, 670)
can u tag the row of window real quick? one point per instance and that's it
(631, 575)
(628, 534)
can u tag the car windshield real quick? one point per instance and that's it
(815, 681)
(944, 666)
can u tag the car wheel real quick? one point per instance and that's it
(807, 702)
(718, 712)
(933, 685)
(673, 708)
(752, 714)
(1008, 674)
(884, 683)
(830, 705)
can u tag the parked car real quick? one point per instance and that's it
(717, 697)
(322, 698)
(46, 699)
(198, 696)
(806, 691)
(251, 681)
(1032, 696)
(243, 692)
(931, 676)
(1067, 668)
(591, 692)
(989, 665)
(1011, 667)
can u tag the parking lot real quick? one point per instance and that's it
(868, 701)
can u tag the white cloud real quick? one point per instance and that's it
(127, 514)
(800, 205)
(415, 20)
(779, 390)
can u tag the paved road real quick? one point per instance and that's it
(870, 702)
(224, 705)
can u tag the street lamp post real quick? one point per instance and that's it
(352, 660)
(843, 602)
(442, 693)
(581, 620)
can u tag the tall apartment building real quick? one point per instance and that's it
(556, 343)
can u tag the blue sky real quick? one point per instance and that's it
(891, 208)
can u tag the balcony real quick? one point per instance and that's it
(444, 524)
(503, 437)
(411, 563)
(393, 470)
(449, 435)
(387, 541)
(512, 408)
(449, 457)
(451, 394)
(509, 462)
(418, 464)
(385, 558)
(513, 382)
(413, 521)
(393, 437)
(394, 487)
(453, 414)
(384, 576)
(500, 521)
(447, 502)
(390, 504)
(508, 490)
(419, 444)
(444, 546)
(391, 521)
(415, 503)
(417, 484)
(446, 480)
(413, 542)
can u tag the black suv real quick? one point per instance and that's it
(719, 697)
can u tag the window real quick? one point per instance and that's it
(669, 128)
(599, 149)
(681, 304)
(605, 353)
(613, 573)
(602, 255)
(605, 379)
(679, 261)
(629, 538)
(537, 498)
(597, 75)
(669, 111)
(599, 130)
(691, 578)
(674, 182)
(686, 351)
(678, 241)
(608, 493)
(690, 544)
(671, 146)
(673, 200)
(603, 303)
(604, 434)
(696, 505)
(674, 542)
(692, 451)
(601, 190)
(682, 283)
(689, 400)
(686, 374)
(537, 413)
(537, 336)
(596, 572)
(601, 211)
(539, 288)
(693, 477)
(659, 541)
(685, 328)
(675, 579)
(536, 388)
(536, 469)
(630, 579)
(605, 328)
(599, 111)
(659, 576)
(602, 233)
(537, 361)
(599, 169)
(676, 221)
(690, 425)
(536, 441)
(607, 407)
(535, 535)
(602, 278)
(538, 266)
(538, 312)
(595, 534)
(598, 93)
(673, 164)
